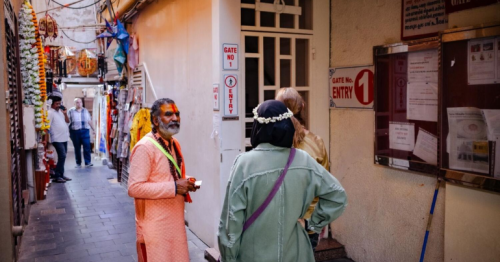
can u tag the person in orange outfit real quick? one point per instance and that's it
(160, 187)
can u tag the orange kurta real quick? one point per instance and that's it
(159, 211)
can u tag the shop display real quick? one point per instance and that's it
(48, 27)
(87, 63)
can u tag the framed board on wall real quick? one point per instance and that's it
(437, 106)
(470, 106)
(422, 18)
(406, 106)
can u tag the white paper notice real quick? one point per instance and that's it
(401, 136)
(498, 59)
(481, 62)
(422, 101)
(468, 140)
(426, 146)
(423, 66)
(492, 118)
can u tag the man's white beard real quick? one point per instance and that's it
(170, 129)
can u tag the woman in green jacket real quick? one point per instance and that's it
(276, 235)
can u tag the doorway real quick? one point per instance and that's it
(277, 39)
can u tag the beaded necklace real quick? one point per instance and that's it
(173, 170)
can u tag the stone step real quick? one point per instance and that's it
(329, 249)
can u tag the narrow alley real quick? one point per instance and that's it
(383, 115)
(90, 218)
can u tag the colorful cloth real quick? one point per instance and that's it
(159, 211)
(276, 235)
(141, 125)
(315, 147)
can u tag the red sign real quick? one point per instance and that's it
(452, 6)
(363, 87)
(230, 95)
(351, 87)
(230, 57)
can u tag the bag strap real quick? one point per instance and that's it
(271, 195)
(166, 154)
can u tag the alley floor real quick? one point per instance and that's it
(90, 218)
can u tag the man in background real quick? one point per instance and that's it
(59, 135)
(79, 128)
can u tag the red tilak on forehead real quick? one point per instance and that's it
(174, 108)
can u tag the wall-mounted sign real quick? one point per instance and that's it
(215, 96)
(351, 87)
(230, 95)
(422, 18)
(459, 5)
(230, 57)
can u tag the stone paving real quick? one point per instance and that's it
(90, 218)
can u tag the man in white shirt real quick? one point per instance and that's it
(59, 135)
(79, 129)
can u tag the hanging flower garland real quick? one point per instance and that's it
(32, 63)
(44, 125)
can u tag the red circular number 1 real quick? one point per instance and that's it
(363, 87)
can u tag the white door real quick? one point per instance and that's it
(277, 40)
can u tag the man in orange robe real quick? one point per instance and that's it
(159, 185)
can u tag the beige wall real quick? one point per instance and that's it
(69, 95)
(472, 225)
(175, 42)
(388, 209)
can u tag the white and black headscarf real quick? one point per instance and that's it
(279, 133)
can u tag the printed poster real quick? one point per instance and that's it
(426, 146)
(492, 119)
(401, 136)
(422, 101)
(498, 59)
(468, 140)
(423, 66)
(482, 61)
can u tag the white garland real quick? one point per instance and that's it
(29, 62)
(273, 119)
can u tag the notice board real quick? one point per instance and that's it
(406, 103)
(430, 117)
(470, 106)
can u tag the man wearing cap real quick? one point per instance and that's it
(59, 135)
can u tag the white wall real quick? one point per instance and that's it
(175, 41)
(68, 18)
(388, 209)
(69, 95)
(472, 225)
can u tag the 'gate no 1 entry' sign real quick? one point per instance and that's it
(230, 57)
(231, 95)
(351, 87)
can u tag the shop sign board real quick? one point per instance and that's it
(459, 5)
(230, 95)
(215, 96)
(422, 18)
(230, 57)
(351, 87)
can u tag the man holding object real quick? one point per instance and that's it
(160, 187)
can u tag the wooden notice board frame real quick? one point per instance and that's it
(454, 90)
(391, 77)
